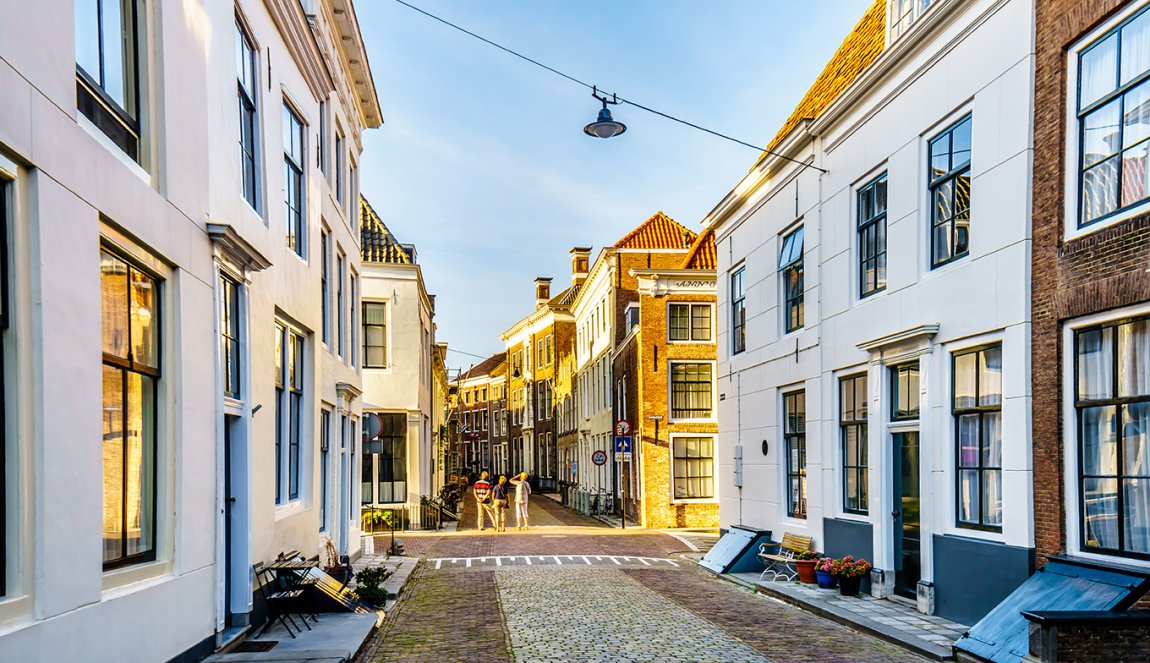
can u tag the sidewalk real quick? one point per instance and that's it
(892, 620)
(610, 520)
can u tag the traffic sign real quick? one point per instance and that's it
(622, 444)
(622, 427)
(599, 457)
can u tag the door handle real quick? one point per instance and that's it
(895, 514)
(231, 500)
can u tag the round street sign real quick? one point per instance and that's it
(622, 427)
(372, 424)
(599, 457)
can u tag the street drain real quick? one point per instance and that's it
(253, 646)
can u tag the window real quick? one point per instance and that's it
(1113, 124)
(978, 429)
(903, 13)
(353, 312)
(5, 320)
(323, 145)
(289, 411)
(339, 161)
(340, 262)
(1112, 402)
(108, 69)
(872, 236)
(738, 313)
(230, 334)
(130, 307)
(853, 431)
(375, 335)
(691, 390)
(324, 461)
(795, 443)
(689, 322)
(294, 181)
(949, 186)
(393, 458)
(693, 468)
(550, 354)
(249, 126)
(486, 419)
(904, 392)
(791, 267)
(325, 287)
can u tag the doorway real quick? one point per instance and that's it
(231, 483)
(907, 523)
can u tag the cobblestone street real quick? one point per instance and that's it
(585, 593)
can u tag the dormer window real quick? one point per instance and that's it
(903, 14)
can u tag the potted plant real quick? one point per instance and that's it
(805, 565)
(825, 570)
(850, 573)
(369, 585)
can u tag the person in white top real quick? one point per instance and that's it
(522, 492)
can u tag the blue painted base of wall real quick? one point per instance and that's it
(848, 537)
(971, 577)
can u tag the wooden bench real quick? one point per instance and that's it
(781, 564)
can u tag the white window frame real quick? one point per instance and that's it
(714, 392)
(714, 330)
(714, 499)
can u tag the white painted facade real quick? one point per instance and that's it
(594, 311)
(177, 214)
(958, 58)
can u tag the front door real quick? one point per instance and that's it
(229, 505)
(907, 529)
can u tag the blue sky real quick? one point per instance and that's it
(482, 162)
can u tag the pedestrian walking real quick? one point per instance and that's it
(499, 503)
(522, 492)
(482, 491)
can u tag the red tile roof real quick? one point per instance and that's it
(702, 253)
(658, 232)
(860, 48)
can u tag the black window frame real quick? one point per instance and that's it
(290, 372)
(295, 183)
(871, 234)
(1119, 404)
(684, 385)
(1117, 94)
(5, 320)
(390, 463)
(738, 312)
(980, 411)
(791, 268)
(120, 123)
(340, 331)
(230, 335)
(938, 182)
(247, 83)
(853, 412)
(383, 332)
(690, 322)
(325, 285)
(324, 461)
(126, 365)
(688, 461)
(896, 391)
(795, 448)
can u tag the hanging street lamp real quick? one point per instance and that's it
(604, 126)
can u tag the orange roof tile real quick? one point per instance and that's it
(702, 253)
(860, 48)
(658, 232)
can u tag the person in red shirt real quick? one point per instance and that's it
(482, 491)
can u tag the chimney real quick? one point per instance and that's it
(542, 291)
(580, 263)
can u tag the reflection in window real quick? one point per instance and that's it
(689, 322)
(1113, 111)
(249, 126)
(130, 315)
(872, 236)
(375, 335)
(795, 443)
(949, 186)
(693, 468)
(977, 410)
(1113, 407)
(294, 181)
(904, 391)
(107, 69)
(738, 313)
(791, 268)
(393, 458)
(289, 365)
(903, 14)
(230, 335)
(691, 391)
(853, 431)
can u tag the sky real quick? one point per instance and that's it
(482, 162)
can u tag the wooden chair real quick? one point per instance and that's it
(781, 564)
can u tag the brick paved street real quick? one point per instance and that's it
(593, 594)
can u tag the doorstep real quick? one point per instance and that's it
(335, 638)
(899, 623)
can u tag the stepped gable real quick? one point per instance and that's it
(860, 48)
(658, 232)
(702, 252)
(377, 244)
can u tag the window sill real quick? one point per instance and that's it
(129, 579)
(15, 613)
(706, 420)
(92, 130)
(695, 500)
(1106, 222)
(289, 509)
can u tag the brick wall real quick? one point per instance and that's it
(1095, 273)
(1101, 643)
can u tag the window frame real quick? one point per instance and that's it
(295, 171)
(340, 325)
(6, 465)
(980, 410)
(895, 372)
(672, 365)
(860, 466)
(324, 462)
(290, 409)
(673, 439)
(790, 438)
(691, 306)
(367, 346)
(325, 285)
(248, 107)
(97, 105)
(794, 287)
(952, 176)
(1077, 405)
(738, 311)
(231, 336)
(863, 227)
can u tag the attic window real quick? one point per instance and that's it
(903, 14)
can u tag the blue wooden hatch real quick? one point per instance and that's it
(736, 551)
(1063, 584)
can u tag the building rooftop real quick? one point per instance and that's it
(658, 232)
(377, 243)
(485, 367)
(702, 252)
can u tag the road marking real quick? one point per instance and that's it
(438, 563)
(469, 562)
(685, 541)
(557, 560)
(613, 559)
(498, 562)
(586, 560)
(645, 562)
(527, 559)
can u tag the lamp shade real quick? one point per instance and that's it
(604, 126)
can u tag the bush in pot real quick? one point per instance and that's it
(825, 570)
(805, 565)
(850, 572)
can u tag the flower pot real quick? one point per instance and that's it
(849, 585)
(806, 569)
(827, 580)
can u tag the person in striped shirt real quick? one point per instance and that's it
(482, 491)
